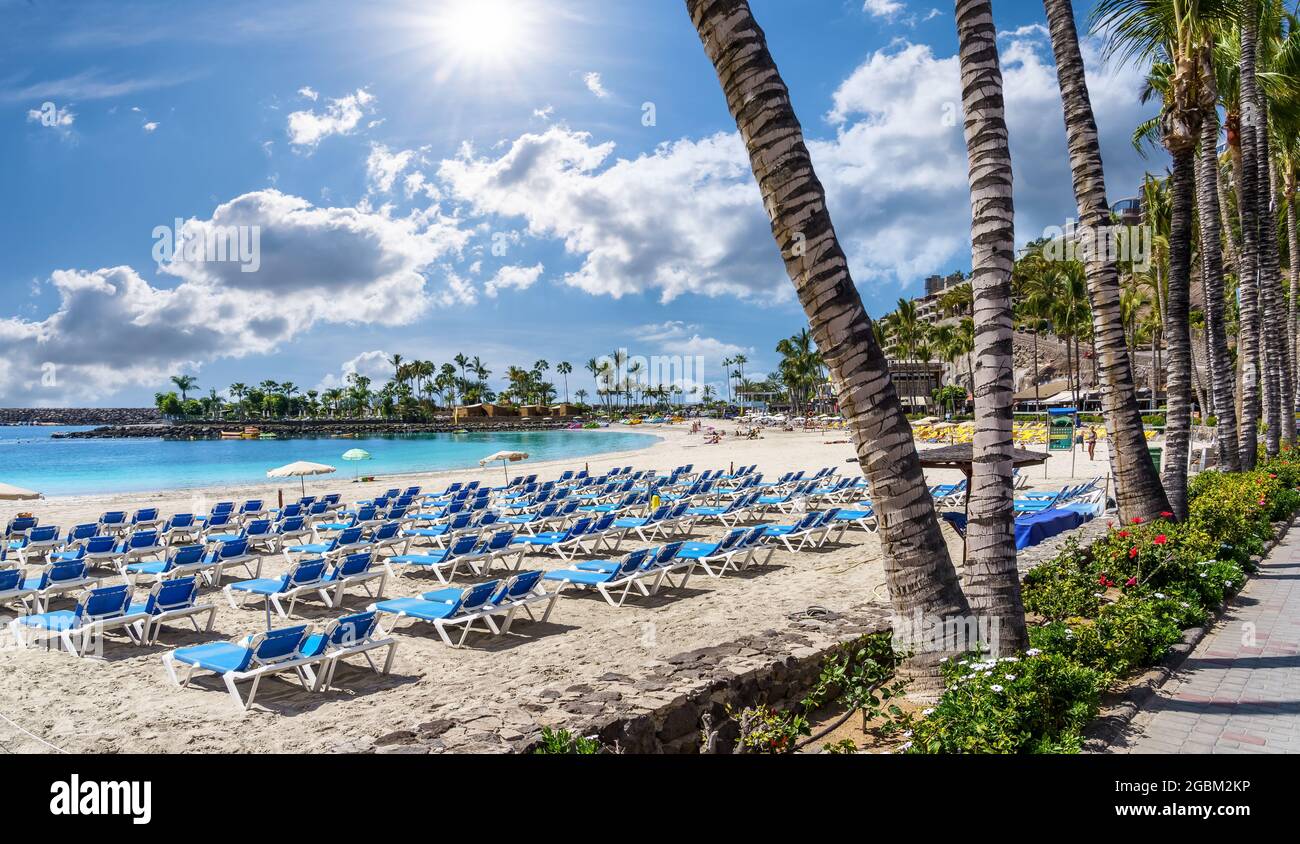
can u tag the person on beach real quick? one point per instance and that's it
(1090, 439)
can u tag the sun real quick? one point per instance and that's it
(482, 32)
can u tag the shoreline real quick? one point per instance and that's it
(343, 483)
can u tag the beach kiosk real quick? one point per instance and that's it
(1061, 425)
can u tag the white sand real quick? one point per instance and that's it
(125, 702)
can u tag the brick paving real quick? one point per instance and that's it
(1239, 690)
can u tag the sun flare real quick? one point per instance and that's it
(482, 32)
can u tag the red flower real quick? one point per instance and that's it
(1271, 475)
(1166, 515)
(1123, 534)
(1132, 552)
(1101, 581)
(1137, 520)
(1132, 581)
(1161, 539)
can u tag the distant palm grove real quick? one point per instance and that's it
(419, 389)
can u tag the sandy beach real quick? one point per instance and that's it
(492, 689)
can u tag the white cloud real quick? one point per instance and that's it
(544, 113)
(383, 167)
(373, 365)
(627, 220)
(594, 84)
(882, 8)
(150, 126)
(318, 266)
(308, 92)
(341, 116)
(675, 337)
(513, 278)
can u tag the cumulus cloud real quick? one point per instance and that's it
(687, 218)
(595, 85)
(676, 337)
(513, 278)
(308, 92)
(882, 8)
(384, 166)
(684, 219)
(316, 266)
(340, 117)
(373, 365)
(150, 126)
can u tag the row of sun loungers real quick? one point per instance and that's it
(332, 551)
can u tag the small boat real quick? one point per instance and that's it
(267, 436)
(232, 435)
(251, 433)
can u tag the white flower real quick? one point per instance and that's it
(906, 746)
(926, 712)
(1009, 676)
(907, 734)
(945, 659)
(1160, 595)
(1033, 652)
(1098, 594)
(1009, 659)
(995, 687)
(1227, 583)
(1185, 604)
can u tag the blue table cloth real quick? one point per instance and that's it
(1033, 528)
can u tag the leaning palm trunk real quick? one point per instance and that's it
(1248, 335)
(991, 578)
(1178, 423)
(1137, 487)
(921, 578)
(1216, 334)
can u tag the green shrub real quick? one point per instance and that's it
(1063, 587)
(1131, 633)
(561, 742)
(1038, 703)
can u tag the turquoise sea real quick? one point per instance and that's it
(30, 458)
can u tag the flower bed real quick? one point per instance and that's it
(1100, 615)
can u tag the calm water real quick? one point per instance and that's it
(30, 458)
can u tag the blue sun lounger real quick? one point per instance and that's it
(446, 609)
(304, 577)
(13, 588)
(716, 558)
(97, 611)
(170, 600)
(442, 562)
(57, 579)
(350, 635)
(251, 658)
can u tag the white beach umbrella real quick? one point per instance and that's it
(16, 493)
(504, 457)
(301, 470)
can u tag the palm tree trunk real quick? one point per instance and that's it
(990, 575)
(1177, 328)
(1231, 238)
(1216, 334)
(1137, 487)
(1248, 335)
(1276, 318)
(920, 576)
(1293, 248)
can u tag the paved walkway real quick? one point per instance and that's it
(1239, 691)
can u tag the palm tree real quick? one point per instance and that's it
(726, 368)
(581, 396)
(992, 580)
(184, 383)
(919, 573)
(238, 390)
(1175, 35)
(564, 368)
(1138, 490)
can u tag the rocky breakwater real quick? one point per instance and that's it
(116, 416)
(333, 428)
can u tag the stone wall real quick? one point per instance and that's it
(79, 416)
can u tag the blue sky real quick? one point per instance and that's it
(474, 176)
